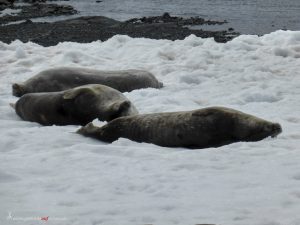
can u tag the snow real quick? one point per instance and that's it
(52, 171)
(9, 12)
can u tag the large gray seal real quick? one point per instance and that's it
(64, 78)
(75, 106)
(203, 128)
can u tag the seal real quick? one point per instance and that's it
(203, 128)
(79, 105)
(64, 78)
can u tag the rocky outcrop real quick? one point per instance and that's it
(37, 10)
(88, 29)
(166, 18)
(6, 3)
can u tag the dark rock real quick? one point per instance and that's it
(36, 10)
(6, 4)
(166, 18)
(166, 15)
(34, 1)
(28, 21)
(88, 29)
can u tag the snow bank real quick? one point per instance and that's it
(51, 171)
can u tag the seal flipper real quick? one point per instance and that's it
(121, 106)
(119, 109)
(105, 133)
(87, 129)
(73, 93)
(160, 84)
(92, 131)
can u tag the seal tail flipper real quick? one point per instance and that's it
(92, 131)
(84, 130)
(160, 85)
(13, 105)
(99, 133)
(18, 90)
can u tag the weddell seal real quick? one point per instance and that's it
(64, 78)
(203, 128)
(79, 105)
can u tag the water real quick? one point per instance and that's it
(246, 16)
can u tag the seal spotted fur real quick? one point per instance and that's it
(64, 78)
(75, 106)
(203, 128)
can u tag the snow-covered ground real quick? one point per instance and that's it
(52, 171)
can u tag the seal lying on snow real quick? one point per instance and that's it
(75, 106)
(203, 128)
(60, 79)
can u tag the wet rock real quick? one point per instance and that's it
(166, 18)
(88, 29)
(37, 10)
(33, 1)
(6, 4)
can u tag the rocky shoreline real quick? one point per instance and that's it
(37, 10)
(88, 29)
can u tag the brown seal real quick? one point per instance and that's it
(75, 106)
(60, 79)
(203, 128)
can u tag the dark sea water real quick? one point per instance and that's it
(245, 16)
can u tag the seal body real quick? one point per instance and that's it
(75, 106)
(60, 79)
(203, 128)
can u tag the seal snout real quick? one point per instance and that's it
(160, 85)
(275, 129)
